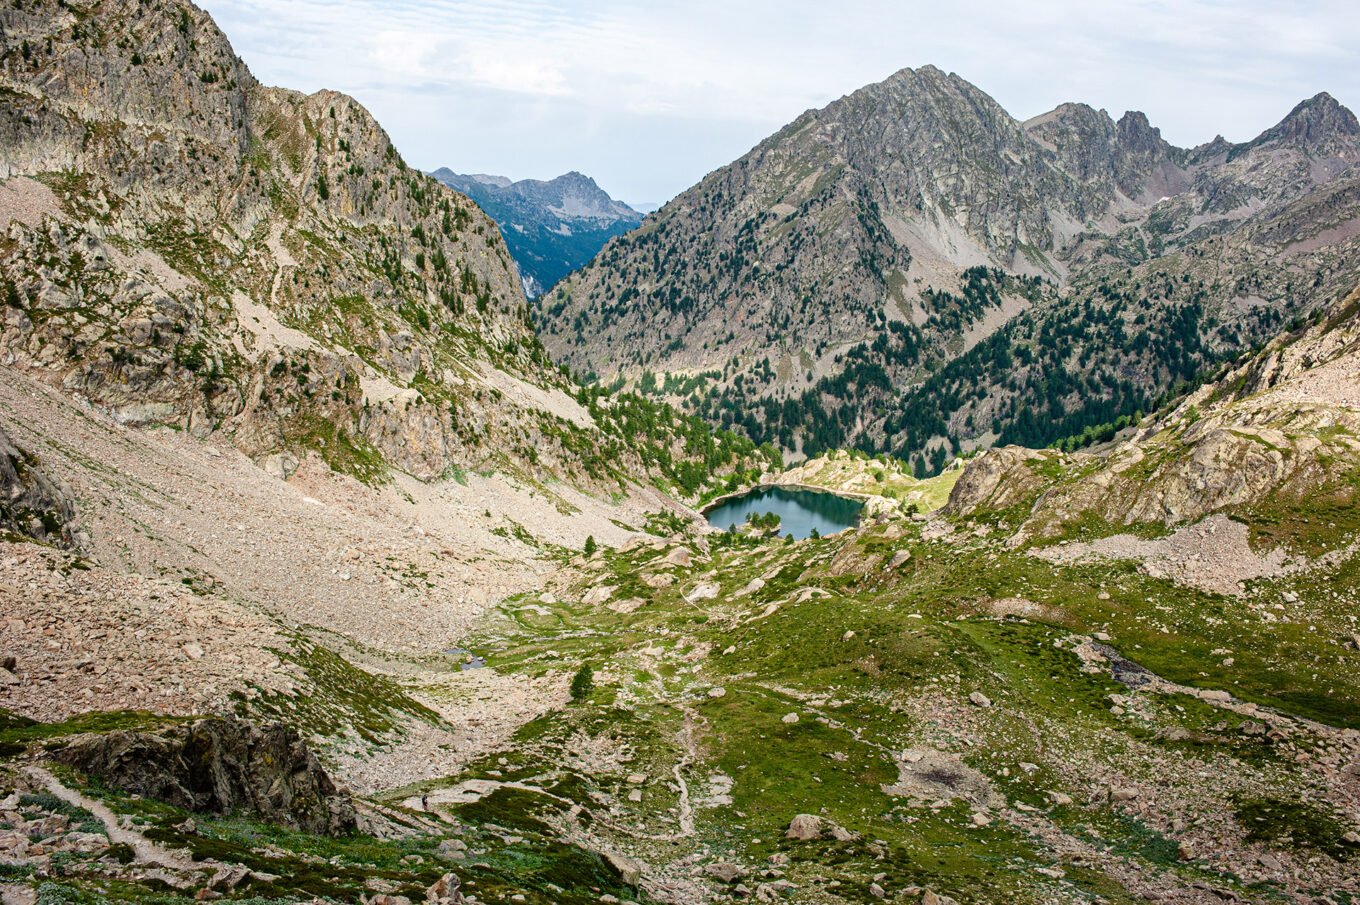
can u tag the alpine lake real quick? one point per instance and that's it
(800, 511)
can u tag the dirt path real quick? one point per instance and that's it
(686, 809)
(147, 852)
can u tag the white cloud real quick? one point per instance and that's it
(402, 54)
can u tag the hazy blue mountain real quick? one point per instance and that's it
(552, 228)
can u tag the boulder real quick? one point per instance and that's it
(840, 833)
(598, 595)
(220, 765)
(931, 897)
(281, 465)
(725, 871)
(704, 591)
(775, 891)
(453, 848)
(679, 556)
(444, 891)
(978, 699)
(629, 870)
(805, 828)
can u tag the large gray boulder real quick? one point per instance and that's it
(222, 766)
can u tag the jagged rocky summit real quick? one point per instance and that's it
(913, 269)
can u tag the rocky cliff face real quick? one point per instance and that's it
(552, 228)
(910, 268)
(184, 246)
(220, 766)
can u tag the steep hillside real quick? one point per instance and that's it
(552, 228)
(274, 434)
(1271, 443)
(184, 246)
(912, 269)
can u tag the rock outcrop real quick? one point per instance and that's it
(997, 479)
(221, 766)
(31, 503)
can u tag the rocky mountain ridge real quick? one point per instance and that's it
(868, 274)
(187, 246)
(552, 227)
(184, 246)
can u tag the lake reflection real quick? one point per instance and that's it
(799, 511)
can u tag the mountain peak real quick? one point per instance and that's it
(1136, 121)
(1135, 133)
(929, 75)
(1314, 124)
(576, 178)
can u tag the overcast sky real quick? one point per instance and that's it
(647, 97)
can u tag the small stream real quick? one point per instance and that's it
(467, 659)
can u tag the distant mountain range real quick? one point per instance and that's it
(552, 228)
(912, 269)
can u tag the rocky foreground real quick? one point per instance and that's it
(1004, 699)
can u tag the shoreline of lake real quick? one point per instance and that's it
(792, 485)
(802, 511)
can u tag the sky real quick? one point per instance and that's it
(647, 97)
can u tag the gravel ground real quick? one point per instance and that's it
(196, 563)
